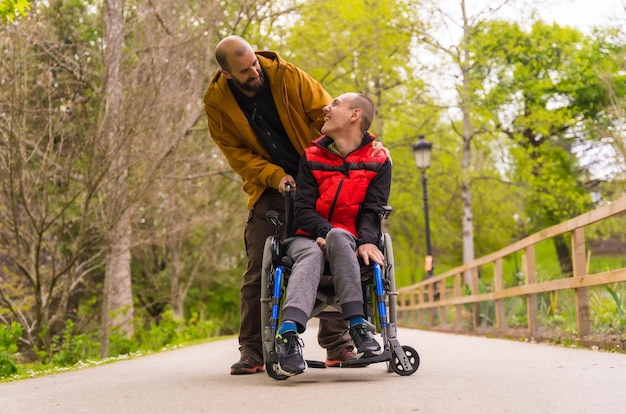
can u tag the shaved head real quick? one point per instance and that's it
(240, 65)
(231, 46)
(361, 101)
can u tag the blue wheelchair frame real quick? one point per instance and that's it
(379, 299)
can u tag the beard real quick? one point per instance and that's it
(247, 86)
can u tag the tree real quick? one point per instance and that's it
(50, 232)
(458, 58)
(118, 308)
(543, 89)
(180, 240)
(369, 53)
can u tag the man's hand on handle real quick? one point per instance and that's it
(288, 179)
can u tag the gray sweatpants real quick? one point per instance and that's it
(346, 271)
(304, 279)
(307, 271)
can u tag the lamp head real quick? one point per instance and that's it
(422, 150)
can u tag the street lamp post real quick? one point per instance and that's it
(422, 150)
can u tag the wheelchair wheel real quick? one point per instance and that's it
(414, 360)
(391, 278)
(272, 370)
(266, 270)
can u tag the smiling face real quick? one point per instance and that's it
(338, 115)
(245, 71)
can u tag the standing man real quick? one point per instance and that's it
(262, 113)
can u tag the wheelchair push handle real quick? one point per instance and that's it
(289, 206)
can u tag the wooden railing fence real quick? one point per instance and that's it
(427, 302)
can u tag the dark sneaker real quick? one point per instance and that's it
(289, 349)
(366, 345)
(246, 365)
(346, 354)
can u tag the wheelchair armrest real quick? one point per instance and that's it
(384, 213)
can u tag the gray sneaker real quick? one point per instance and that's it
(290, 359)
(366, 345)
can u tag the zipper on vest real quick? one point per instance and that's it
(332, 206)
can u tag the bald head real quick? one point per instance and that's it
(229, 47)
(240, 65)
(361, 101)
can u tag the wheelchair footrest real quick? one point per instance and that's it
(362, 362)
(315, 364)
(272, 358)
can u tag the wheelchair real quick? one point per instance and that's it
(379, 290)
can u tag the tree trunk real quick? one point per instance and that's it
(117, 312)
(175, 278)
(564, 254)
(466, 187)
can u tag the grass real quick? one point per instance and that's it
(74, 350)
(34, 370)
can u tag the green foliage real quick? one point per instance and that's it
(369, 52)
(121, 344)
(9, 335)
(167, 331)
(516, 314)
(9, 9)
(71, 347)
(67, 348)
(543, 89)
(608, 307)
(557, 311)
(554, 192)
(174, 331)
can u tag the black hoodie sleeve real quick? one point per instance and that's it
(306, 217)
(376, 197)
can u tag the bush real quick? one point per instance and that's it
(174, 331)
(120, 344)
(9, 336)
(70, 348)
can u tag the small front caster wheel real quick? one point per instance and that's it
(406, 364)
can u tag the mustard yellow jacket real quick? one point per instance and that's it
(299, 100)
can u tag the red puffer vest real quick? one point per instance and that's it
(342, 183)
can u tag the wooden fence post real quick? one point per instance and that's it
(579, 265)
(443, 310)
(457, 294)
(475, 305)
(499, 305)
(531, 299)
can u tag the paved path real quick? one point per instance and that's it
(458, 374)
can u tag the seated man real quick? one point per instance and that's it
(341, 188)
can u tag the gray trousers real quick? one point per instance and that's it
(307, 271)
(332, 334)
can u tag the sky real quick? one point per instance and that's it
(584, 14)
